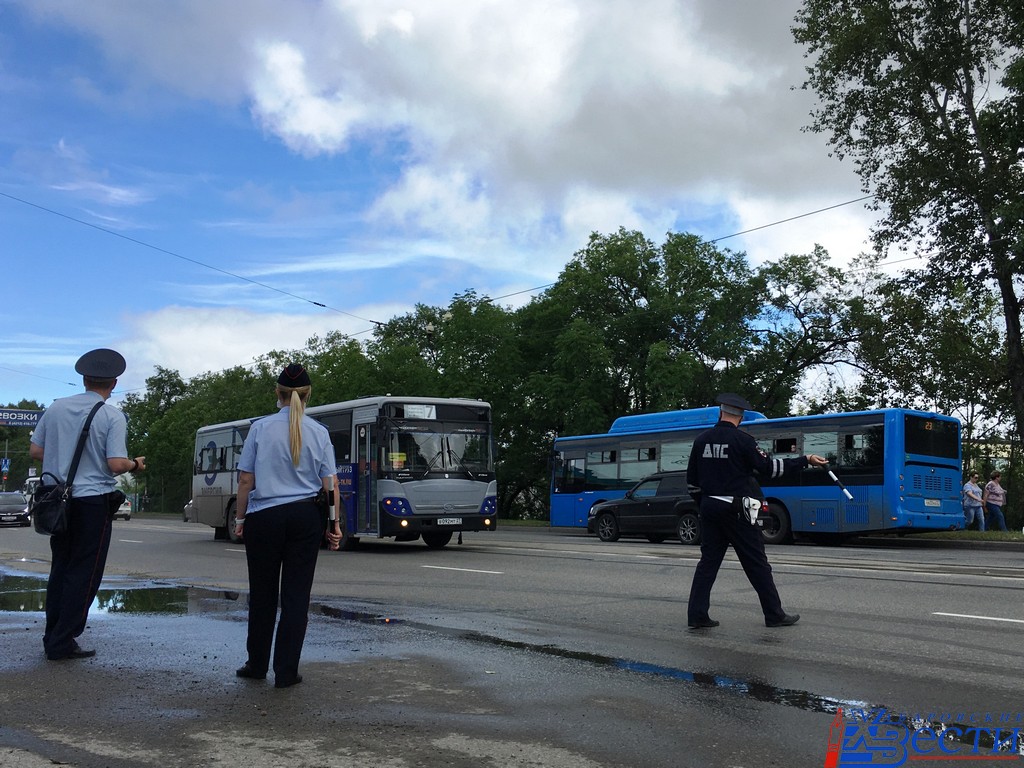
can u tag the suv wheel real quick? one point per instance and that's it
(688, 528)
(607, 527)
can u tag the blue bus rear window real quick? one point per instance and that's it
(931, 437)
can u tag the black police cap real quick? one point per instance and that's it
(101, 364)
(733, 400)
(293, 377)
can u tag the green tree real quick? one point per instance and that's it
(927, 96)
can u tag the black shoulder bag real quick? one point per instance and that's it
(49, 505)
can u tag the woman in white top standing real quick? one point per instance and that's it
(286, 460)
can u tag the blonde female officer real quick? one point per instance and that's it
(286, 459)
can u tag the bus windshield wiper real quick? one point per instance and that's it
(458, 460)
(431, 463)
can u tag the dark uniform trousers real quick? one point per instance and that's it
(78, 559)
(720, 527)
(281, 548)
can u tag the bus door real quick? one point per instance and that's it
(366, 498)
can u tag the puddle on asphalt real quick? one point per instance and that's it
(20, 593)
(28, 594)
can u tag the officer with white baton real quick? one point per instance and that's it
(721, 472)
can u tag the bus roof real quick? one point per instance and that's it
(654, 422)
(668, 421)
(361, 402)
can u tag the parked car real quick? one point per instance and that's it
(124, 511)
(658, 507)
(14, 509)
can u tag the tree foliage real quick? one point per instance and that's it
(927, 97)
(630, 326)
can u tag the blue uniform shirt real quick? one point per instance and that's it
(724, 459)
(57, 434)
(267, 455)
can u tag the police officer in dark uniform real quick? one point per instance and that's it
(722, 466)
(80, 554)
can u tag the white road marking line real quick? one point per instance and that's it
(131, 541)
(982, 618)
(235, 550)
(464, 570)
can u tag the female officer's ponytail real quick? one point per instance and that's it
(293, 388)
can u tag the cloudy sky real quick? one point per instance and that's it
(182, 180)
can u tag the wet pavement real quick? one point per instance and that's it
(378, 691)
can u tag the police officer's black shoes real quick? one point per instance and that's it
(76, 652)
(787, 620)
(287, 682)
(250, 672)
(704, 624)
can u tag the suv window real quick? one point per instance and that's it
(675, 484)
(647, 489)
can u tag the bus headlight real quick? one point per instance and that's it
(395, 505)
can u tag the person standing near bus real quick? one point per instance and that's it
(973, 506)
(79, 555)
(286, 460)
(995, 500)
(721, 467)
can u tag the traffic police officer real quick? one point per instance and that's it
(80, 554)
(722, 466)
(287, 458)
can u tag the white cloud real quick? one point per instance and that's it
(495, 134)
(198, 340)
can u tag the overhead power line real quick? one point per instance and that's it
(144, 244)
(374, 323)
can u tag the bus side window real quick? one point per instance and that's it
(675, 455)
(781, 447)
(822, 443)
(862, 449)
(602, 470)
(572, 476)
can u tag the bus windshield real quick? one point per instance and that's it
(419, 448)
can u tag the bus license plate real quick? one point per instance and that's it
(932, 502)
(449, 521)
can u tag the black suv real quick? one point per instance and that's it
(659, 506)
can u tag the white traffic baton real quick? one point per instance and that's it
(839, 482)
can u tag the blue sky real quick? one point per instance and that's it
(200, 160)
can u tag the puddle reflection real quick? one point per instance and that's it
(28, 594)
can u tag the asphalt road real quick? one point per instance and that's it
(525, 647)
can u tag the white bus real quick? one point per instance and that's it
(408, 467)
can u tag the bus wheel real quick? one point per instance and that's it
(348, 542)
(688, 528)
(230, 525)
(607, 527)
(777, 529)
(437, 540)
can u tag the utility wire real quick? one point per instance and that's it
(144, 244)
(792, 218)
(375, 323)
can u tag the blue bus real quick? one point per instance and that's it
(408, 468)
(902, 467)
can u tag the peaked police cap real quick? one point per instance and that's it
(101, 364)
(734, 401)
